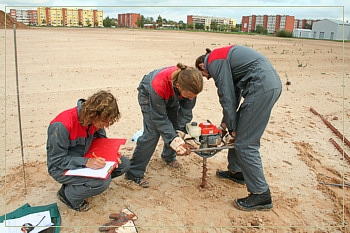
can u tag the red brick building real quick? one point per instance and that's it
(272, 23)
(302, 23)
(128, 20)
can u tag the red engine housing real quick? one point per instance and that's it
(209, 129)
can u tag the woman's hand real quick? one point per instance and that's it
(96, 163)
(119, 161)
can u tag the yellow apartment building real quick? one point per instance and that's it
(56, 17)
(69, 17)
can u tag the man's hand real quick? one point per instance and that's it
(223, 127)
(230, 138)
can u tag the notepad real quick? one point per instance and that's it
(40, 221)
(102, 173)
(106, 148)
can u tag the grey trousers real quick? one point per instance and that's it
(253, 117)
(77, 188)
(146, 145)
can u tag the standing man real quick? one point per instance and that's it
(241, 72)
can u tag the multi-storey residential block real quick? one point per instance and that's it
(71, 17)
(207, 20)
(32, 17)
(56, 17)
(20, 15)
(128, 20)
(302, 23)
(46, 16)
(272, 23)
(28, 17)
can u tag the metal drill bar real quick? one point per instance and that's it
(204, 174)
(212, 148)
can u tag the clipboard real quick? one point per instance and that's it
(106, 148)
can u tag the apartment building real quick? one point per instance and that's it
(302, 23)
(207, 20)
(272, 23)
(53, 16)
(72, 17)
(128, 20)
(28, 17)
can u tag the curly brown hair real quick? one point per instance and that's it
(101, 106)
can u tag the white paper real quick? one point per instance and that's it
(14, 225)
(89, 172)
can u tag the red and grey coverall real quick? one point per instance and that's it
(67, 142)
(164, 111)
(239, 71)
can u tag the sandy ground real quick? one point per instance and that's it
(58, 66)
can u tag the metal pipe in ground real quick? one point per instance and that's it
(19, 111)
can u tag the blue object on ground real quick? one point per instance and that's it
(137, 135)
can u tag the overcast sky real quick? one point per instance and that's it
(179, 9)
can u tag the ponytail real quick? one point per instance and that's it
(189, 78)
(201, 58)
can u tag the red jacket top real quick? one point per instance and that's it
(169, 110)
(68, 141)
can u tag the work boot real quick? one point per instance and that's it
(234, 176)
(138, 180)
(255, 201)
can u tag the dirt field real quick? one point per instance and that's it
(58, 66)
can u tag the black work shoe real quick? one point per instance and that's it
(234, 176)
(138, 180)
(82, 207)
(260, 201)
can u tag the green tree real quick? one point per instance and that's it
(308, 26)
(182, 25)
(107, 22)
(223, 27)
(259, 29)
(234, 29)
(199, 26)
(114, 22)
(160, 21)
(284, 33)
(214, 25)
(140, 21)
(190, 26)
